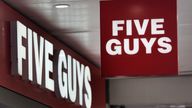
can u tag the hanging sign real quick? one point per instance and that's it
(138, 38)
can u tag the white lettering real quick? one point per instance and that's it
(148, 45)
(72, 84)
(135, 46)
(62, 75)
(141, 28)
(30, 55)
(88, 95)
(21, 50)
(156, 25)
(116, 26)
(165, 43)
(80, 74)
(38, 49)
(129, 27)
(117, 47)
(49, 83)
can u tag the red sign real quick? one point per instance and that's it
(35, 64)
(138, 38)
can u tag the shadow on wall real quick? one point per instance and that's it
(10, 99)
(115, 106)
(4, 106)
(154, 106)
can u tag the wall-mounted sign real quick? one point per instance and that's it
(38, 66)
(138, 38)
(31, 60)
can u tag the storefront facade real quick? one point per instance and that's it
(53, 75)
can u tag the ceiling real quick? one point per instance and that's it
(79, 25)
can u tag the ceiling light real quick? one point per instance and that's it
(61, 6)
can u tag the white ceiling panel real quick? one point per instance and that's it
(77, 26)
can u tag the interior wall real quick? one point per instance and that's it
(151, 91)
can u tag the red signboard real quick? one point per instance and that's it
(35, 64)
(138, 38)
